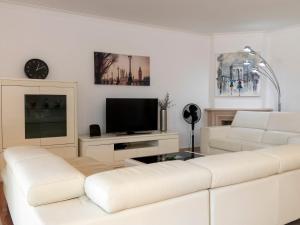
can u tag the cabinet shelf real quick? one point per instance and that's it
(135, 145)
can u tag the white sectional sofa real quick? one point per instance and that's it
(251, 131)
(259, 187)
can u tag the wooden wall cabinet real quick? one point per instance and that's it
(12, 112)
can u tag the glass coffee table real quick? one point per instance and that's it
(186, 155)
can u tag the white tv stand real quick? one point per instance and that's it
(111, 148)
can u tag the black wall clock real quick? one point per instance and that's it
(36, 69)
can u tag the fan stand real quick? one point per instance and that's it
(192, 114)
(193, 136)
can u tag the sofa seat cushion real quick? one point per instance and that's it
(226, 144)
(237, 167)
(277, 137)
(131, 187)
(288, 156)
(44, 178)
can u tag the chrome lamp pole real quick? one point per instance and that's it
(263, 68)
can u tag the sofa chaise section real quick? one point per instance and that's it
(165, 193)
(260, 187)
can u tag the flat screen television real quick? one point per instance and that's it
(131, 115)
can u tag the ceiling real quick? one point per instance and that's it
(201, 16)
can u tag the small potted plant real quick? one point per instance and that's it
(164, 105)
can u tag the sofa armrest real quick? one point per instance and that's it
(206, 133)
(294, 140)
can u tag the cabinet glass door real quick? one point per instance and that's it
(45, 116)
(57, 111)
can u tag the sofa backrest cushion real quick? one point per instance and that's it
(247, 134)
(294, 140)
(16, 154)
(278, 137)
(246, 119)
(284, 121)
(288, 156)
(131, 187)
(238, 167)
(43, 177)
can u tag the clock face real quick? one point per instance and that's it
(36, 69)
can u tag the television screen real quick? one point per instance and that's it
(131, 115)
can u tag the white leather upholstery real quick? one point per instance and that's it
(250, 203)
(284, 121)
(234, 145)
(238, 167)
(16, 154)
(192, 209)
(246, 134)
(287, 155)
(21, 212)
(294, 140)
(249, 146)
(256, 120)
(289, 196)
(131, 187)
(44, 178)
(242, 188)
(277, 137)
(252, 131)
(225, 144)
(288, 179)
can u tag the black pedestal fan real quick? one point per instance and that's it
(192, 115)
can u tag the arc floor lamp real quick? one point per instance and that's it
(263, 68)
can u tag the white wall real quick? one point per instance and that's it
(183, 64)
(281, 49)
(180, 62)
(233, 42)
(284, 49)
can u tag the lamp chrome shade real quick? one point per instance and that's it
(248, 49)
(262, 64)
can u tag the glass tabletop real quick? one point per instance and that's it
(186, 155)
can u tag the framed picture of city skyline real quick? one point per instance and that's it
(235, 75)
(117, 69)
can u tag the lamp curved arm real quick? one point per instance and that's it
(271, 78)
(267, 72)
(268, 66)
